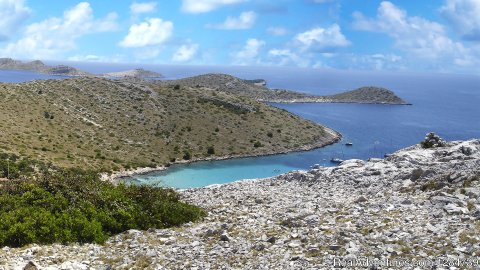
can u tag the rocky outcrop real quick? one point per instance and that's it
(417, 206)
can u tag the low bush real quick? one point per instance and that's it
(73, 205)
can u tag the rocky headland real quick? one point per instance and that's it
(416, 206)
(256, 89)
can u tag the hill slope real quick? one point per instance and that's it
(231, 84)
(104, 124)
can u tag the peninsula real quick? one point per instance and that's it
(105, 124)
(256, 89)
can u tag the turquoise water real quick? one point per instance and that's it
(446, 104)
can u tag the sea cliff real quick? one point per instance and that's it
(417, 206)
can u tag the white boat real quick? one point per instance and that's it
(336, 160)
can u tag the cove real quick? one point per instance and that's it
(445, 104)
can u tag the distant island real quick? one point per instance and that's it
(63, 70)
(256, 89)
(39, 67)
(134, 73)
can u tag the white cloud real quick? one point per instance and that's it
(277, 31)
(245, 21)
(185, 53)
(96, 58)
(322, 39)
(201, 6)
(464, 15)
(153, 31)
(376, 61)
(249, 52)
(412, 34)
(285, 57)
(140, 8)
(12, 14)
(50, 38)
(85, 58)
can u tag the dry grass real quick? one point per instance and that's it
(103, 124)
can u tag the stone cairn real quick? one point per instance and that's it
(432, 141)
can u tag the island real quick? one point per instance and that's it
(138, 73)
(68, 71)
(39, 67)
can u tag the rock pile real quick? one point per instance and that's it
(432, 140)
(419, 206)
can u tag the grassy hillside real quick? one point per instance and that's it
(103, 124)
(230, 84)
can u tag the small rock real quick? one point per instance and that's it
(272, 240)
(407, 201)
(361, 199)
(224, 237)
(260, 247)
(334, 247)
(30, 266)
(293, 244)
(453, 209)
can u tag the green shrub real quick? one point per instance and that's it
(211, 150)
(73, 205)
(187, 155)
(257, 144)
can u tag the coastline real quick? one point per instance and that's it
(333, 101)
(118, 175)
(427, 198)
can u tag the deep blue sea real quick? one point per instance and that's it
(444, 103)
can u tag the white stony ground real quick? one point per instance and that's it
(414, 207)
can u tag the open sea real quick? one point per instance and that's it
(444, 103)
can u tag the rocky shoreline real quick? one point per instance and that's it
(116, 176)
(418, 207)
(322, 100)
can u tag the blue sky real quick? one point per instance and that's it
(427, 35)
